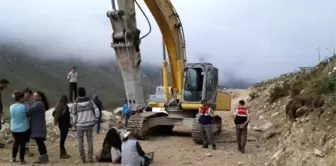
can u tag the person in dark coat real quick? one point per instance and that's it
(111, 140)
(99, 104)
(62, 119)
(38, 124)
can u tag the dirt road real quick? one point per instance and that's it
(177, 150)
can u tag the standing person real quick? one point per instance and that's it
(3, 84)
(38, 124)
(72, 79)
(126, 112)
(62, 119)
(86, 114)
(132, 153)
(241, 119)
(99, 104)
(205, 116)
(19, 125)
(28, 97)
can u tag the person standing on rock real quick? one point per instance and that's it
(72, 79)
(126, 112)
(38, 124)
(3, 84)
(62, 118)
(205, 116)
(99, 104)
(19, 125)
(241, 119)
(86, 114)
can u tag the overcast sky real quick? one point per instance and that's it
(253, 39)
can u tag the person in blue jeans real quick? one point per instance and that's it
(126, 112)
(19, 125)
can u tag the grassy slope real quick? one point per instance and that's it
(49, 76)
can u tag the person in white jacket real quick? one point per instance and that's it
(72, 79)
(86, 113)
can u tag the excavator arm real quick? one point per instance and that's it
(126, 43)
(172, 31)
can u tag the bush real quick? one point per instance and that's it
(330, 84)
(277, 92)
(253, 95)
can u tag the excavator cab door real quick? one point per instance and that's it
(211, 82)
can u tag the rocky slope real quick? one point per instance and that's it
(296, 116)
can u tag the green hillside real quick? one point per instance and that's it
(49, 76)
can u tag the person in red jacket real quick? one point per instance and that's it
(241, 119)
(205, 117)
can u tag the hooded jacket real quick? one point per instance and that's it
(85, 112)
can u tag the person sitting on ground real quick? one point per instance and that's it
(38, 124)
(126, 112)
(132, 153)
(86, 114)
(241, 119)
(111, 150)
(99, 104)
(62, 119)
(19, 126)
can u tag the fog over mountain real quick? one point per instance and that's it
(247, 40)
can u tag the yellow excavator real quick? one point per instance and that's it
(189, 83)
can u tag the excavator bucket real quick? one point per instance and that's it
(223, 101)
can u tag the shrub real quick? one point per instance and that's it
(277, 92)
(330, 84)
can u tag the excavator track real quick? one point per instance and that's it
(196, 132)
(138, 124)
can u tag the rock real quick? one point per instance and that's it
(301, 111)
(264, 127)
(106, 116)
(318, 153)
(240, 163)
(208, 154)
(117, 110)
(277, 155)
(323, 139)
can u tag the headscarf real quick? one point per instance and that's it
(112, 139)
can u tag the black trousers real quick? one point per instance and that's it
(20, 140)
(72, 91)
(63, 135)
(40, 145)
(241, 134)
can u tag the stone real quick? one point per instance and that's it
(208, 154)
(301, 111)
(240, 163)
(264, 127)
(318, 153)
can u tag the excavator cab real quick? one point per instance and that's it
(200, 82)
